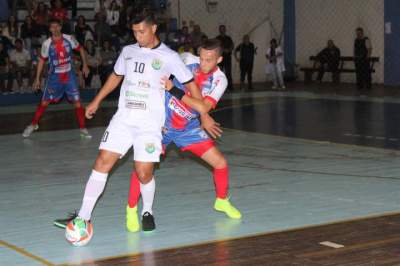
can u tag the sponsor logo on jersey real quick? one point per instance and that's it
(131, 104)
(144, 84)
(156, 64)
(133, 94)
(180, 110)
(150, 148)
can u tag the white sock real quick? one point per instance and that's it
(148, 190)
(93, 190)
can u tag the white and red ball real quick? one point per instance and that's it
(79, 232)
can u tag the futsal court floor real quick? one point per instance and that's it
(315, 172)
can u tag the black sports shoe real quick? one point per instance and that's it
(62, 223)
(148, 222)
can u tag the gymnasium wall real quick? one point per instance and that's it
(240, 17)
(320, 20)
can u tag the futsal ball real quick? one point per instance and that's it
(79, 232)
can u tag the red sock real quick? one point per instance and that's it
(134, 191)
(221, 181)
(80, 115)
(38, 114)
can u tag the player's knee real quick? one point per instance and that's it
(103, 163)
(44, 103)
(221, 163)
(144, 175)
(78, 104)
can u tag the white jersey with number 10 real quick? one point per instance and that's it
(142, 95)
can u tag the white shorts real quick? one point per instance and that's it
(145, 140)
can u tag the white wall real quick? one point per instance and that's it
(239, 17)
(320, 20)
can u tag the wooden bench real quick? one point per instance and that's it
(309, 71)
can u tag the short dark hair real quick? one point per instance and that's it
(360, 29)
(212, 44)
(55, 21)
(146, 15)
(18, 40)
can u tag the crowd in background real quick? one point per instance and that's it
(20, 42)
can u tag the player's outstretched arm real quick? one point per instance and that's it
(85, 67)
(110, 85)
(36, 82)
(196, 104)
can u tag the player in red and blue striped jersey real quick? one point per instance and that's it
(182, 125)
(61, 80)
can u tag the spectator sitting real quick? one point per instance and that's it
(112, 17)
(4, 40)
(29, 32)
(11, 29)
(20, 60)
(102, 30)
(4, 73)
(41, 17)
(108, 3)
(197, 37)
(107, 59)
(186, 47)
(329, 59)
(83, 32)
(93, 60)
(183, 36)
(60, 13)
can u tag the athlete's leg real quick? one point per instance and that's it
(39, 111)
(220, 171)
(144, 172)
(80, 114)
(97, 181)
(210, 154)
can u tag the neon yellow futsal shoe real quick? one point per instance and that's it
(132, 220)
(223, 205)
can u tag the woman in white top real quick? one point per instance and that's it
(113, 14)
(275, 65)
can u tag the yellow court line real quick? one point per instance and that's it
(354, 219)
(25, 253)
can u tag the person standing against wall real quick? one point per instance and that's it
(227, 47)
(275, 65)
(362, 53)
(246, 51)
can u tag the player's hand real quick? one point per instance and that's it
(166, 83)
(36, 85)
(213, 128)
(85, 71)
(91, 110)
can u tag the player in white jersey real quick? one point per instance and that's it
(140, 115)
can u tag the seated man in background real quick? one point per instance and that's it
(329, 59)
(20, 64)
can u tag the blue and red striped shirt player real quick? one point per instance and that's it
(182, 125)
(58, 50)
(182, 118)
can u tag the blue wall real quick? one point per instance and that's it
(289, 27)
(392, 43)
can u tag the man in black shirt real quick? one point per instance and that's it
(362, 53)
(246, 59)
(329, 59)
(227, 46)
